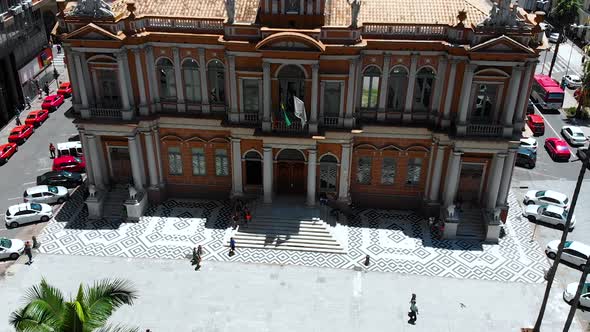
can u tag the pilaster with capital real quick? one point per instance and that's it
(313, 117)
(446, 118)
(383, 89)
(143, 107)
(205, 107)
(233, 89)
(464, 101)
(311, 177)
(178, 80)
(407, 115)
(345, 161)
(494, 180)
(266, 93)
(452, 178)
(237, 187)
(439, 86)
(513, 92)
(122, 75)
(267, 166)
(152, 79)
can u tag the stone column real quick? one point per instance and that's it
(464, 101)
(134, 157)
(152, 79)
(143, 108)
(151, 159)
(233, 89)
(311, 177)
(452, 178)
(313, 116)
(494, 180)
(266, 93)
(436, 174)
(349, 115)
(513, 92)
(72, 70)
(81, 82)
(438, 86)
(236, 172)
(446, 120)
(178, 80)
(95, 161)
(383, 89)
(121, 59)
(407, 115)
(159, 156)
(344, 185)
(267, 174)
(203, 76)
(523, 98)
(507, 171)
(87, 157)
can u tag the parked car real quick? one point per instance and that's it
(571, 81)
(11, 248)
(574, 252)
(69, 163)
(574, 135)
(52, 102)
(7, 151)
(65, 89)
(540, 197)
(26, 213)
(60, 178)
(557, 148)
(70, 149)
(530, 109)
(570, 292)
(549, 214)
(46, 194)
(36, 118)
(20, 134)
(529, 143)
(536, 124)
(526, 157)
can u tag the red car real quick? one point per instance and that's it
(36, 118)
(70, 164)
(6, 151)
(557, 148)
(65, 89)
(52, 102)
(536, 123)
(20, 134)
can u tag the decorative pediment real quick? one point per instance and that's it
(290, 41)
(93, 32)
(502, 44)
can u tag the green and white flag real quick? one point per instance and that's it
(287, 120)
(300, 110)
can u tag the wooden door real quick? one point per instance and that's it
(470, 184)
(291, 178)
(121, 164)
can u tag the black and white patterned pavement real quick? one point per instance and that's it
(397, 241)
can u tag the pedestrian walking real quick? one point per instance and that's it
(199, 250)
(46, 88)
(51, 151)
(232, 246)
(58, 49)
(28, 102)
(196, 258)
(413, 314)
(234, 221)
(29, 252)
(247, 216)
(17, 120)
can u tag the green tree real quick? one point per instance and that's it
(584, 90)
(563, 15)
(47, 311)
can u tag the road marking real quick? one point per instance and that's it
(28, 183)
(43, 169)
(14, 198)
(549, 124)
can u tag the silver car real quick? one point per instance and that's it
(549, 214)
(26, 213)
(574, 252)
(46, 194)
(574, 135)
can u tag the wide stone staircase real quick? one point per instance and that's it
(471, 225)
(113, 202)
(287, 234)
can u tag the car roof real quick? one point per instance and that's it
(6, 144)
(536, 118)
(580, 247)
(64, 158)
(555, 194)
(19, 207)
(553, 208)
(19, 128)
(526, 151)
(37, 189)
(528, 139)
(68, 145)
(574, 76)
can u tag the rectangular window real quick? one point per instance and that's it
(221, 163)
(199, 161)
(388, 168)
(174, 161)
(332, 98)
(192, 84)
(250, 96)
(363, 173)
(370, 92)
(486, 96)
(414, 170)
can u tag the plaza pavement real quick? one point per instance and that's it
(233, 296)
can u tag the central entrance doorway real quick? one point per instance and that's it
(120, 164)
(290, 172)
(470, 184)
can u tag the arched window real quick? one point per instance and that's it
(192, 81)
(423, 89)
(370, 96)
(166, 79)
(216, 81)
(397, 85)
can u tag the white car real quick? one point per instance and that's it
(11, 248)
(570, 292)
(46, 194)
(574, 135)
(572, 81)
(529, 143)
(554, 37)
(541, 197)
(574, 252)
(26, 213)
(550, 214)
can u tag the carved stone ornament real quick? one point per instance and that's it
(355, 8)
(502, 16)
(93, 8)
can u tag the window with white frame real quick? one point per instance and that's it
(423, 89)
(388, 168)
(174, 161)
(167, 81)
(397, 88)
(221, 162)
(109, 95)
(192, 81)
(363, 170)
(216, 81)
(486, 98)
(370, 93)
(250, 95)
(414, 171)
(332, 98)
(199, 161)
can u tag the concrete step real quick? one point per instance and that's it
(294, 238)
(471, 231)
(275, 231)
(294, 248)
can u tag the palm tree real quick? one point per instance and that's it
(564, 13)
(585, 88)
(47, 311)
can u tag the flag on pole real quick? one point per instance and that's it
(300, 110)
(287, 120)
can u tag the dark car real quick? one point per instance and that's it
(530, 109)
(60, 178)
(526, 158)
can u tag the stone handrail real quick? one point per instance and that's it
(159, 22)
(488, 130)
(415, 31)
(112, 113)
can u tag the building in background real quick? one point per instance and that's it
(397, 103)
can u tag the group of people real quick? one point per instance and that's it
(241, 213)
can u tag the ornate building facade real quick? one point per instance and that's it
(407, 104)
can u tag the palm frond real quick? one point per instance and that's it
(71, 321)
(117, 328)
(48, 294)
(119, 291)
(22, 322)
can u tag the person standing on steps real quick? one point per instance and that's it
(232, 246)
(413, 310)
(52, 151)
(29, 252)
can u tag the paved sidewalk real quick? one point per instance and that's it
(226, 296)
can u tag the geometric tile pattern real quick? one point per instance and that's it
(397, 241)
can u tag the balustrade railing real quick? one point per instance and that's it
(112, 113)
(295, 127)
(487, 130)
(250, 117)
(331, 121)
(199, 24)
(415, 31)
